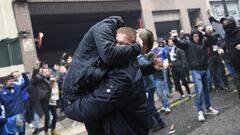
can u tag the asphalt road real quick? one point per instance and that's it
(184, 116)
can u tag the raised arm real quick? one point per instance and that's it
(105, 35)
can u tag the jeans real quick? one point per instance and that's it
(231, 69)
(36, 120)
(200, 80)
(154, 118)
(165, 76)
(162, 92)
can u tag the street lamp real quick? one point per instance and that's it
(225, 8)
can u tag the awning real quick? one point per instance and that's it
(81, 7)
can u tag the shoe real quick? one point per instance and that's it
(183, 96)
(201, 116)
(35, 131)
(167, 110)
(189, 96)
(54, 132)
(211, 111)
(158, 127)
(180, 98)
(162, 109)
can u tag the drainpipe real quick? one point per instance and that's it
(225, 8)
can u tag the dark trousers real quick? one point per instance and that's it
(218, 74)
(237, 83)
(180, 75)
(45, 107)
(53, 110)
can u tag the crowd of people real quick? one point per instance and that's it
(25, 97)
(109, 83)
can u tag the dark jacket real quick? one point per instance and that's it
(42, 86)
(197, 54)
(98, 43)
(3, 121)
(231, 41)
(181, 60)
(118, 104)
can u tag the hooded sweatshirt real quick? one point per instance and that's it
(232, 39)
(197, 53)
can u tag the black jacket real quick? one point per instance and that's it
(181, 60)
(118, 104)
(98, 43)
(197, 54)
(231, 41)
(41, 84)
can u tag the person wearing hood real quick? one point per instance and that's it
(197, 51)
(232, 46)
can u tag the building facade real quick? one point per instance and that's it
(63, 23)
(162, 16)
(216, 7)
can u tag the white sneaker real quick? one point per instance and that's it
(211, 111)
(167, 110)
(163, 109)
(183, 96)
(201, 116)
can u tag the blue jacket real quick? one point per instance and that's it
(148, 80)
(12, 99)
(160, 51)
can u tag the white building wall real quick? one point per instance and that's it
(8, 28)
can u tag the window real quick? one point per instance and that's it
(10, 52)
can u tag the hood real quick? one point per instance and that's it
(194, 31)
(235, 30)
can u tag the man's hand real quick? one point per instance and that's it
(173, 35)
(157, 64)
(165, 64)
(139, 40)
(200, 30)
(220, 51)
(208, 12)
(37, 64)
(238, 47)
(149, 55)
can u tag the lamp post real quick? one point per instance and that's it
(225, 8)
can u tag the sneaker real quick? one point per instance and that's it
(211, 111)
(183, 96)
(158, 127)
(167, 110)
(201, 116)
(35, 131)
(54, 132)
(189, 96)
(180, 98)
(163, 109)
